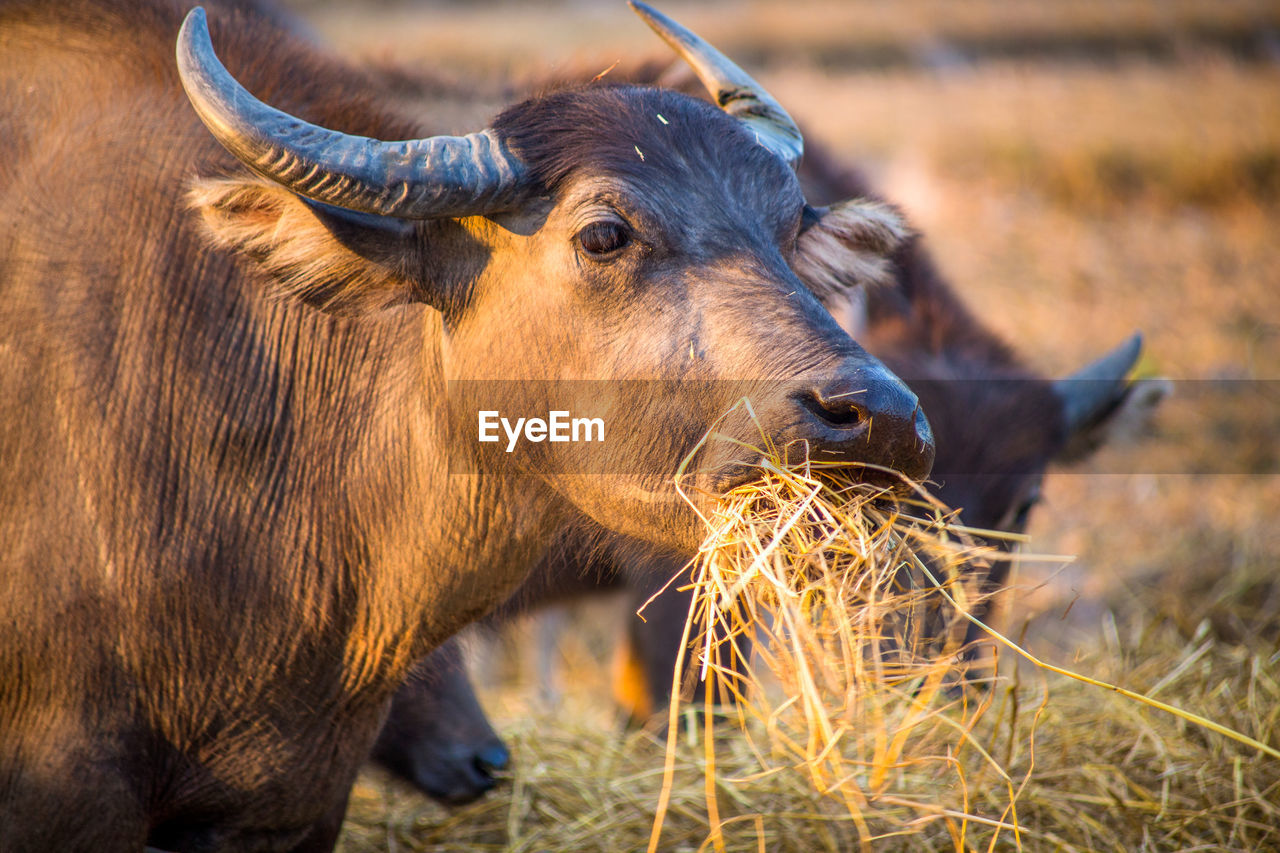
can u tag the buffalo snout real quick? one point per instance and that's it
(419, 746)
(437, 736)
(867, 415)
(459, 775)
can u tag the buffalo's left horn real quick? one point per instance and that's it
(733, 89)
(1093, 390)
(436, 177)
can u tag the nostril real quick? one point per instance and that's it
(842, 408)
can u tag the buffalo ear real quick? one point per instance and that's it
(848, 248)
(1101, 403)
(341, 262)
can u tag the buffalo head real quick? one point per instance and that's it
(603, 233)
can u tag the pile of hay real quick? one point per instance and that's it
(858, 724)
(857, 597)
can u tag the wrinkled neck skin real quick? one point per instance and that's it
(464, 535)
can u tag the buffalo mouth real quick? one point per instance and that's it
(733, 475)
(723, 480)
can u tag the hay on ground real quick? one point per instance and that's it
(859, 724)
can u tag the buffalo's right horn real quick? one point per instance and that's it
(733, 89)
(436, 177)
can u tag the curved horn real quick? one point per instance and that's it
(441, 176)
(1094, 389)
(733, 89)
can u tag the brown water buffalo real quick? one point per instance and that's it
(244, 355)
(997, 424)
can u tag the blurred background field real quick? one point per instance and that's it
(1081, 169)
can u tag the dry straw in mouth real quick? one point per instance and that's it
(858, 678)
(856, 600)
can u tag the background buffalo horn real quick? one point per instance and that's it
(1092, 391)
(733, 89)
(442, 176)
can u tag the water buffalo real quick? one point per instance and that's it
(235, 502)
(998, 425)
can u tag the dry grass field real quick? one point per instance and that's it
(1081, 169)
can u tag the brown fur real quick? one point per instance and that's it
(230, 519)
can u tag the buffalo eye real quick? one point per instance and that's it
(604, 237)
